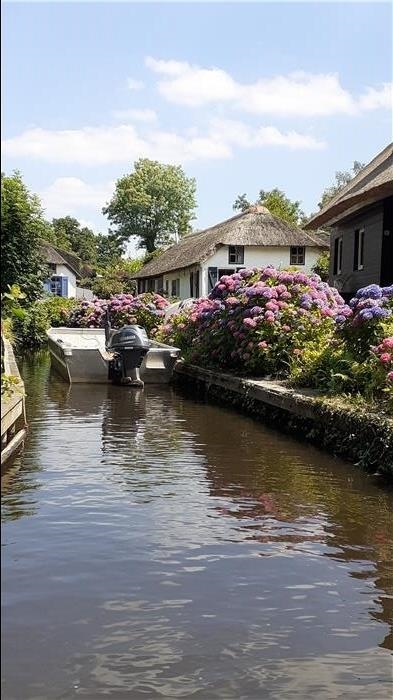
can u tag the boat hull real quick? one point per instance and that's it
(79, 356)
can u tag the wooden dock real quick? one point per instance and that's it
(13, 410)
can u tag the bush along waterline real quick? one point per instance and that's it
(292, 326)
(258, 322)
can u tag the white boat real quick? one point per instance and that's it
(80, 356)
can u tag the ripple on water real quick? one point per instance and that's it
(158, 547)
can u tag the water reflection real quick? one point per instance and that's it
(157, 547)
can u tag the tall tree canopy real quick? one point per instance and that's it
(154, 204)
(341, 179)
(22, 225)
(110, 249)
(80, 240)
(278, 204)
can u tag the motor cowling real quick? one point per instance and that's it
(128, 345)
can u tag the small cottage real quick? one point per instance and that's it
(361, 217)
(254, 238)
(65, 271)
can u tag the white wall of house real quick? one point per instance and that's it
(261, 256)
(66, 272)
(257, 256)
(184, 281)
(254, 256)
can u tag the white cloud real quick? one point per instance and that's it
(140, 115)
(133, 84)
(68, 195)
(375, 98)
(297, 94)
(166, 67)
(191, 85)
(239, 134)
(123, 143)
(111, 144)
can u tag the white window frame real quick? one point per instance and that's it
(237, 252)
(296, 255)
(360, 265)
(339, 255)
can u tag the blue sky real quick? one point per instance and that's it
(243, 96)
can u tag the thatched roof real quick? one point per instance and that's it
(254, 227)
(373, 183)
(57, 256)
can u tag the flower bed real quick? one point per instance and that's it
(257, 321)
(146, 310)
(372, 316)
(265, 322)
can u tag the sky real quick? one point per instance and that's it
(245, 96)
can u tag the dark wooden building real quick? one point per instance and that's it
(361, 219)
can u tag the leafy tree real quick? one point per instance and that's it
(46, 232)
(81, 241)
(278, 204)
(341, 179)
(110, 248)
(154, 204)
(241, 203)
(21, 227)
(115, 279)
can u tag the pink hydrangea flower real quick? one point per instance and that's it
(385, 358)
(249, 322)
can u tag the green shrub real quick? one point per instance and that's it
(10, 384)
(321, 267)
(30, 330)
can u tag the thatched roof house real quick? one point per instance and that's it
(372, 184)
(65, 268)
(57, 256)
(252, 238)
(362, 217)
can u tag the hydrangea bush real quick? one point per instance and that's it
(257, 321)
(146, 310)
(358, 358)
(383, 355)
(372, 314)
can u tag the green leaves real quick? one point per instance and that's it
(154, 204)
(342, 178)
(278, 204)
(321, 266)
(15, 293)
(21, 224)
(10, 384)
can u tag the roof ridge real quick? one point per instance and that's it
(365, 172)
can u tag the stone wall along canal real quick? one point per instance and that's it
(157, 547)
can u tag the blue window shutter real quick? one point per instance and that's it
(64, 286)
(47, 285)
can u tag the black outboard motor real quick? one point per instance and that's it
(128, 345)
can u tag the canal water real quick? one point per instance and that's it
(157, 547)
